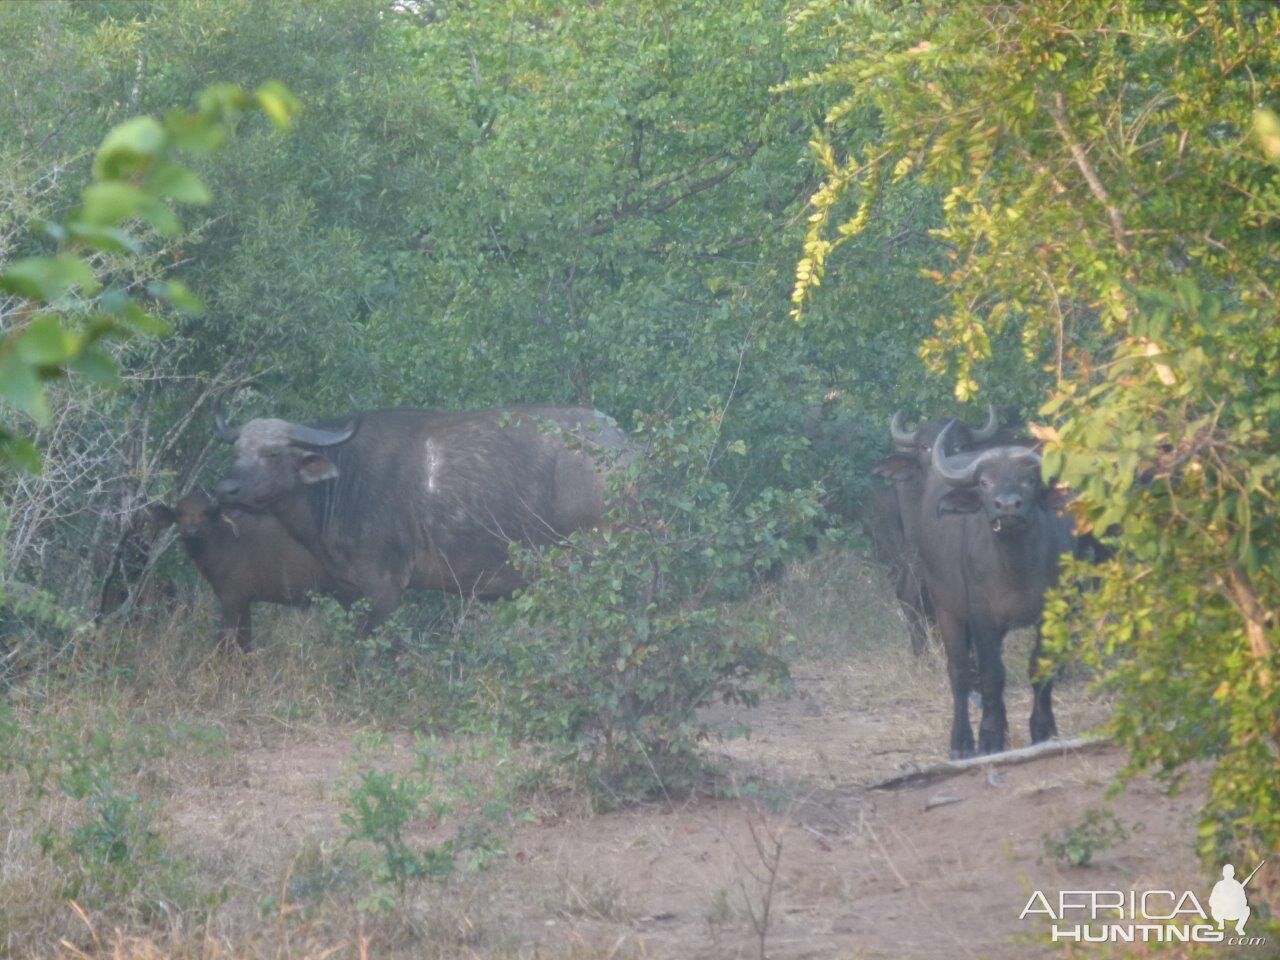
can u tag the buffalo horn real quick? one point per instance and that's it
(318, 437)
(957, 476)
(902, 437)
(226, 433)
(966, 475)
(989, 429)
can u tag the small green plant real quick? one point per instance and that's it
(719, 913)
(1076, 844)
(67, 314)
(114, 852)
(382, 805)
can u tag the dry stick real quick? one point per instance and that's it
(1009, 758)
(885, 854)
(1058, 110)
(769, 850)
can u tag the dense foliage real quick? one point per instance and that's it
(1108, 191)
(623, 636)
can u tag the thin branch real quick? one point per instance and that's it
(1058, 110)
(952, 768)
(606, 222)
(1256, 617)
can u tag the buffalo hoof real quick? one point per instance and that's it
(991, 735)
(961, 744)
(1042, 728)
(992, 744)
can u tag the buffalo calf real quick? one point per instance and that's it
(246, 558)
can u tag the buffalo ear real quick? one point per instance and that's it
(162, 515)
(896, 466)
(960, 500)
(316, 467)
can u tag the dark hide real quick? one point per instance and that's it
(892, 521)
(882, 521)
(425, 498)
(246, 558)
(991, 548)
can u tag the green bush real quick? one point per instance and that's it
(383, 806)
(108, 849)
(623, 633)
(1076, 844)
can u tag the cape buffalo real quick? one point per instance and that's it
(393, 499)
(245, 557)
(892, 521)
(991, 535)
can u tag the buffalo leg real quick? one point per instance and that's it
(956, 641)
(994, 725)
(1043, 726)
(911, 598)
(236, 624)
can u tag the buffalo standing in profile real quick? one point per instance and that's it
(246, 558)
(991, 536)
(892, 520)
(389, 500)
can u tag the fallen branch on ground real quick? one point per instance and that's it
(951, 768)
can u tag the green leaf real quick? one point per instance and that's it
(178, 295)
(20, 386)
(220, 99)
(134, 318)
(163, 220)
(45, 279)
(105, 239)
(19, 453)
(197, 133)
(95, 365)
(45, 342)
(277, 103)
(176, 182)
(129, 148)
(1266, 130)
(111, 202)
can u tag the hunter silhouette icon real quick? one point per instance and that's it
(1228, 901)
